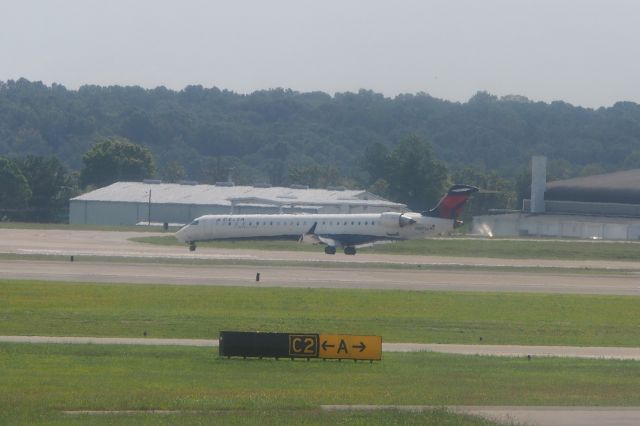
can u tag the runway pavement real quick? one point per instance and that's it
(360, 274)
(116, 244)
(318, 277)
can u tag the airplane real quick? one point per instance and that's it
(346, 231)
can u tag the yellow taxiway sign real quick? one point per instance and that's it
(345, 346)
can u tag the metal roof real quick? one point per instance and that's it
(619, 187)
(174, 193)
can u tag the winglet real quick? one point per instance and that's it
(312, 230)
(310, 236)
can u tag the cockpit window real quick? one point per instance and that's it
(195, 222)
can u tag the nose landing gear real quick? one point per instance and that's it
(192, 246)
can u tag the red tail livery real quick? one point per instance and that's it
(450, 206)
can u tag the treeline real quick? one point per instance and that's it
(35, 189)
(283, 137)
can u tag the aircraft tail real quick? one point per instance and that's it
(450, 206)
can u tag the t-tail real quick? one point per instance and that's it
(450, 206)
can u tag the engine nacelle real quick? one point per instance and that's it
(395, 220)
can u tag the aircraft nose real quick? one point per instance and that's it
(182, 233)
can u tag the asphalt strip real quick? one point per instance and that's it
(529, 415)
(484, 350)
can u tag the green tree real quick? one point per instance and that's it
(415, 176)
(380, 187)
(375, 161)
(117, 159)
(496, 192)
(172, 172)
(51, 187)
(14, 190)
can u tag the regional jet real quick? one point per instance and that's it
(346, 231)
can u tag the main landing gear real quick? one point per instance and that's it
(192, 246)
(350, 250)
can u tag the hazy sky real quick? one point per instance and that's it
(584, 52)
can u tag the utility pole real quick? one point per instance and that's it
(149, 212)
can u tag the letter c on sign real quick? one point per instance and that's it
(295, 345)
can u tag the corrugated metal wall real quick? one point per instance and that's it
(567, 226)
(119, 213)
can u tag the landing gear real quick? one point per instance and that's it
(330, 250)
(192, 246)
(350, 250)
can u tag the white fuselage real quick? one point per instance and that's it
(345, 229)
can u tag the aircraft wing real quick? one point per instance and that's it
(310, 237)
(340, 240)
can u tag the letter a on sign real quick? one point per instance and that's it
(345, 346)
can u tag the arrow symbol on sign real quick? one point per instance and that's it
(361, 346)
(325, 346)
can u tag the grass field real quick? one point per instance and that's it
(464, 247)
(436, 417)
(59, 309)
(50, 378)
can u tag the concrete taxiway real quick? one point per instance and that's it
(529, 415)
(595, 352)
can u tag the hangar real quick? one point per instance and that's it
(605, 206)
(130, 203)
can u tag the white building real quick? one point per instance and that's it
(130, 203)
